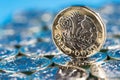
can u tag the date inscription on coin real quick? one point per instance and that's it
(78, 32)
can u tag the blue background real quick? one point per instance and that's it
(9, 7)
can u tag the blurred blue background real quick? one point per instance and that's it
(25, 25)
(9, 7)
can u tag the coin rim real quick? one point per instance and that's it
(97, 17)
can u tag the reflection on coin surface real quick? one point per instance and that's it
(114, 54)
(72, 73)
(39, 49)
(13, 76)
(111, 43)
(100, 56)
(106, 69)
(78, 31)
(61, 73)
(30, 64)
(6, 53)
(48, 73)
(61, 59)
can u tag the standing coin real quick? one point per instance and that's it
(78, 32)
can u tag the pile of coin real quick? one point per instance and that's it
(75, 48)
(80, 33)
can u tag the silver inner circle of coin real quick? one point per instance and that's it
(78, 31)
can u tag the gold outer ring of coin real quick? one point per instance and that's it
(78, 31)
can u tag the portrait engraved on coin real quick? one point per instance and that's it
(78, 31)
